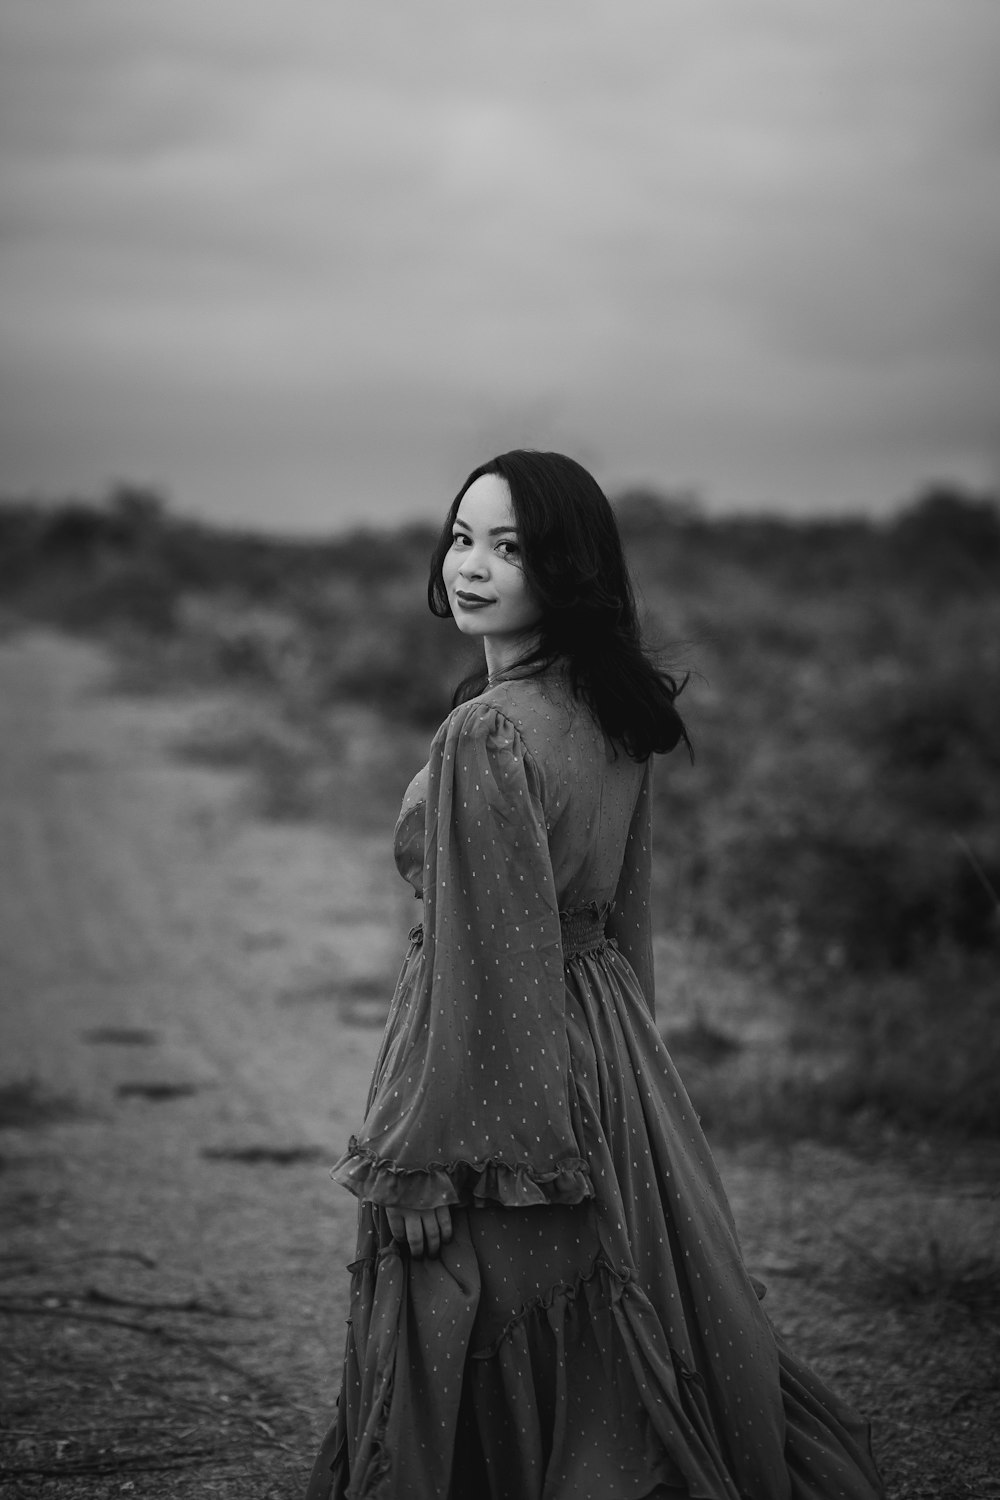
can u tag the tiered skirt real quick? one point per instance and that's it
(613, 1349)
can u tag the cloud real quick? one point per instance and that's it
(346, 244)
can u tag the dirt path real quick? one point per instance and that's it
(180, 985)
(190, 1007)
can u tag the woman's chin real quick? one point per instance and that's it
(467, 624)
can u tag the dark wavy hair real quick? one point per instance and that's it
(575, 567)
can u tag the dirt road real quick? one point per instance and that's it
(186, 1036)
(190, 1006)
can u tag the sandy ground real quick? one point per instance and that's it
(191, 1001)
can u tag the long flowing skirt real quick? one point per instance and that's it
(612, 1350)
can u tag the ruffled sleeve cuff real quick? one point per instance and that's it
(466, 1183)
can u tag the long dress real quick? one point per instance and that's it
(591, 1331)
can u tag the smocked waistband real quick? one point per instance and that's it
(583, 929)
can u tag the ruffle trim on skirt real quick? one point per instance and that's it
(379, 1180)
(564, 1292)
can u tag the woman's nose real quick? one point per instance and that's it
(473, 566)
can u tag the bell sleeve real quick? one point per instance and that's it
(472, 1101)
(629, 921)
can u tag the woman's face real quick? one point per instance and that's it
(482, 569)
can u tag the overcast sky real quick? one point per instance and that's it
(305, 262)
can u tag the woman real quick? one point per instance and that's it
(549, 1298)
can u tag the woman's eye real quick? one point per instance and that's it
(458, 538)
(508, 549)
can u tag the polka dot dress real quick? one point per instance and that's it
(591, 1332)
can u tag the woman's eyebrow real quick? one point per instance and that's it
(493, 531)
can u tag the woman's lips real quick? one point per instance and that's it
(471, 601)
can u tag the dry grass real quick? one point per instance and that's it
(932, 1272)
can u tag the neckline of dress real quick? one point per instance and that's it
(515, 673)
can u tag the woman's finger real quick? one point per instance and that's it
(432, 1234)
(443, 1216)
(415, 1233)
(397, 1223)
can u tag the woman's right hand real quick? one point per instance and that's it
(424, 1230)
